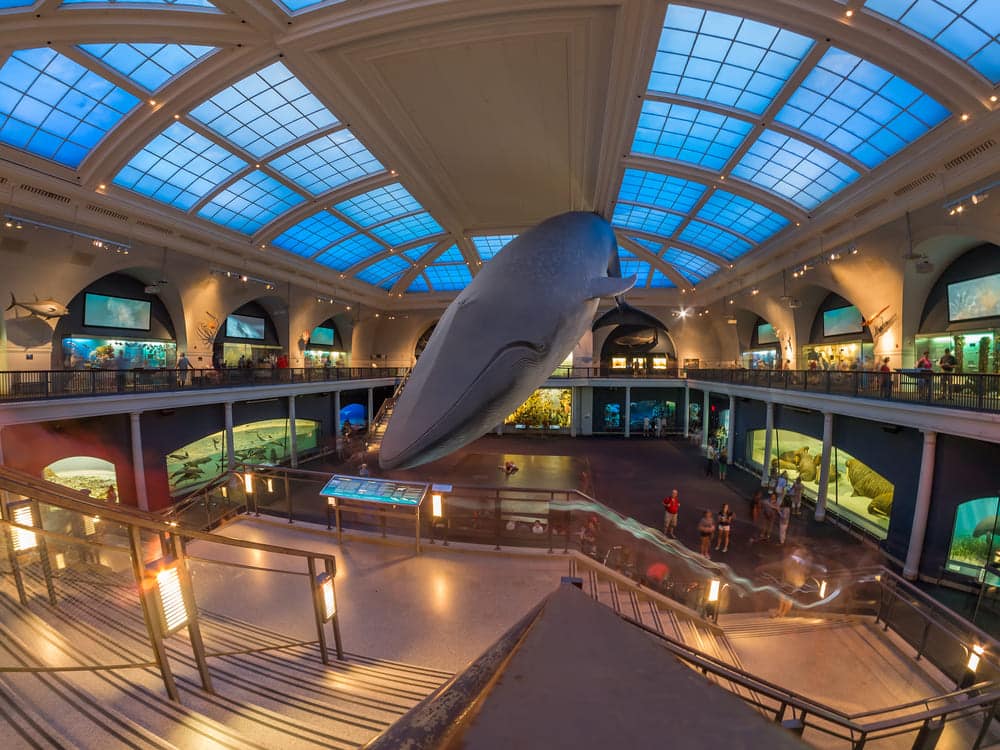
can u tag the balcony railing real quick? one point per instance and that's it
(32, 385)
(974, 392)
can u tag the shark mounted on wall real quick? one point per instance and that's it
(503, 336)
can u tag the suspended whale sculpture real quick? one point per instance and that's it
(503, 336)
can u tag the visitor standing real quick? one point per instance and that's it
(886, 375)
(771, 508)
(796, 492)
(724, 522)
(756, 501)
(723, 463)
(947, 363)
(671, 507)
(784, 516)
(709, 459)
(645, 426)
(706, 527)
(183, 366)
(925, 366)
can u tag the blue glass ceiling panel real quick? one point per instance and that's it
(348, 252)
(723, 58)
(659, 281)
(416, 253)
(793, 169)
(450, 277)
(692, 267)
(489, 245)
(16, 4)
(179, 167)
(673, 131)
(264, 111)
(327, 162)
(313, 234)
(968, 29)
(148, 65)
(250, 203)
(715, 240)
(390, 281)
(653, 247)
(54, 108)
(645, 219)
(860, 108)
(418, 285)
(379, 270)
(638, 267)
(743, 215)
(293, 6)
(654, 189)
(451, 255)
(407, 229)
(379, 204)
(177, 3)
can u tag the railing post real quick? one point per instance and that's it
(193, 626)
(317, 609)
(288, 497)
(337, 642)
(43, 554)
(923, 639)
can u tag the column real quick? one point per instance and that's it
(293, 444)
(911, 568)
(230, 440)
(371, 414)
(768, 430)
(705, 421)
(824, 466)
(138, 469)
(337, 426)
(628, 411)
(687, 411)
(500, 429)
(731, 428)
(574, 410)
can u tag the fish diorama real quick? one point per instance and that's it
(986, 526)
(503, 336)
(637, 338)
(867, 482)
(46, 309)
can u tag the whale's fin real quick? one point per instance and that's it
(13, 302)
(609, 286)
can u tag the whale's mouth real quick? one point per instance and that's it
(490, 389)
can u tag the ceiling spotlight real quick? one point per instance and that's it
(755, 291)
(965, 117)
(102, 186)
(855, 250)
(731, 320)
(244, 278)
(152, 102)
(732, 301)
(993, 98)
(9, 224)
(376, 315)
(177, 117)
(978, 198)
(393, 172)
(848, 12)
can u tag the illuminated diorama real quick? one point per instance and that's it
(88, 352)
(263, 442)
(974, 539)
(974, 351)
(94, 476)
(856, 491)
(545, 409)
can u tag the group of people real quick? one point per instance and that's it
(784, 500)
(710, 526)
(947, 363)
(655, 427)
(716, 461)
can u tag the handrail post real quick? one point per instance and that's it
(43, 554)
(923, 639)
(11, 554)
(193, 626)
(338, 644)
(317, 609)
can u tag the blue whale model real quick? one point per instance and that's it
(503, 336)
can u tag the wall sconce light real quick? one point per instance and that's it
(270, 484)
(974, 656)
(248, 483)
(437, 505)
(24, 540)
(713, 590)
(324, 581)
(172, 605)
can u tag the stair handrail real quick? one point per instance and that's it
(383, 408)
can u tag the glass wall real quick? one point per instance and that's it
(85, 353)
(545, 409)
(256, 355)
(263, 442)
(852, 355)
(652, 409)
(974, 539)
(856, 491)
(324, 358)
(760, 359)
(95, 476)
(975, 351)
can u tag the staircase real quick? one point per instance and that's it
(88, 663)
(379, 423)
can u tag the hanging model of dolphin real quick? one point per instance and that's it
(503, 336)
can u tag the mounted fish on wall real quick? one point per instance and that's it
(33, 329)
(502, 337)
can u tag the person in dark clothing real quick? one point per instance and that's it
(948, 364)
(886, 375)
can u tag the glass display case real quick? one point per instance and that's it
(760, 359)
(261, 355)
(545, 409)
(325, 358)
(856, 491)
(974, 539)
(849, 355)
(81, 352)
(975, 351)
(89, 474)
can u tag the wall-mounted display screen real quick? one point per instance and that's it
(975, 298)
(102, 311)
(245, 327)
(321, 335)
(766, 334)
(841, 321)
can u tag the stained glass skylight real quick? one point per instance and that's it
(968, 29)
(449, 277)
(148, 65)
(724, 58)
(179, 167)
(393, 265)
(645, 219)
(692, 267)
(177, 3)
(660, 281)
(715, 240)
(312, 234)
(250, 203)
(379, 205)
(418, 285)
(264, 111)
(860, 108)
(327, 162)
(55, 108)
(407, 229)
(742, 215)
(654, 189)
(350, 251)
(673, 131)
(793, 169)
(489, 245)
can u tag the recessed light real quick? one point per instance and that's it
(102, 186)
(177, 117)
(965, 116)
(849, 13)
(152, 102)
(993, 98)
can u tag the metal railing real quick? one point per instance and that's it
(33, 385)
(48, 531)
(972, 391)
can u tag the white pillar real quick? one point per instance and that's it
(293, 444)
(500, 429)
(704, 420)
(731, 428)
(628, 411)
(768, 430)
(687, 411)
(912, 566)
(138, 469)
(337, 426)
(230, 439)
(574, 410)
(371, 402)
(824, 466)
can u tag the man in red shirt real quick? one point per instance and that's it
(671, 506)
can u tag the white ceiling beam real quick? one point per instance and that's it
(425, 260)
(654, 260)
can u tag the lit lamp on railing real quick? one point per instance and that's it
(248, 483)
(270, 485)
(971, 667)
(173, 608)
(712, 600)
(437, 505)
(23, 540)
(822, 589)
(328, 597)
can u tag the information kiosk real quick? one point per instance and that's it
(385, 498)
